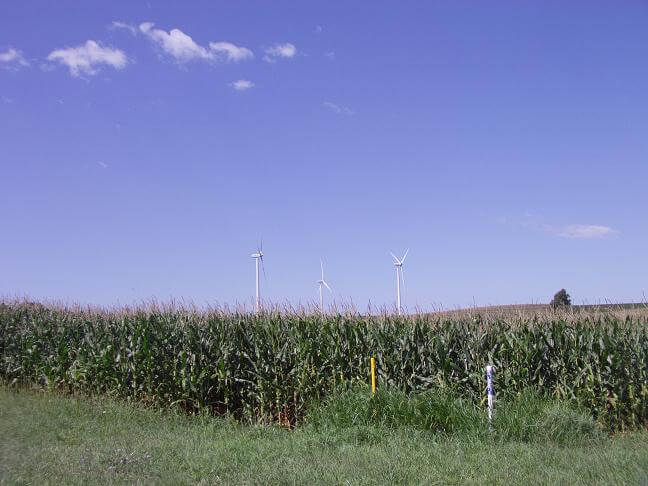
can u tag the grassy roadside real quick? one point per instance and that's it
(46, 438)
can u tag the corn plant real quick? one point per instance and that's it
(272, 366)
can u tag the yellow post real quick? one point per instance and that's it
(373, 376)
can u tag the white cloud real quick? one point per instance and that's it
(85, 58)
(183, 48)
(318, 29)
(123, 25)
(585, 231)
(330, 55)
(175, 43)
(576, 231)
(13, 57)
(230, 51)
(103, 165)
(286, 50)
(242, 85)
(338, 109)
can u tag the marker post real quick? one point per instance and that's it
(490, 393)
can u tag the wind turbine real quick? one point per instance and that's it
(321, 283)
(258, 256)
(399, 277)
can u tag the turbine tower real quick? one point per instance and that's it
(258, 257)
(321, 283)
(399, 277)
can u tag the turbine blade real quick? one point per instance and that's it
(327, 286)
(405, 256)
(322, 267)
(402, 276)
(394, 256)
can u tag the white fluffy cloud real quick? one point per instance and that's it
(338, 109)
(286, 50)
(86, 58)
(175, 43)
(13, 57)
(586, 231)
(183, 48)
(242, 84)
(123, 25)
(230, 51)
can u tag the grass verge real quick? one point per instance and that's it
(47, 438)
(529, 417)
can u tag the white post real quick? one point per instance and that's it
(398, 299)
(490, 392)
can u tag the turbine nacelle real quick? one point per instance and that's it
(398, 262)
(323, 282)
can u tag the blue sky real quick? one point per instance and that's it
(146, 147)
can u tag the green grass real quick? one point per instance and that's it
(528, 417)
(47, 438)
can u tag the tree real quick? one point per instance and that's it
(561, 299)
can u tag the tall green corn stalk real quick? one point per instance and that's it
(273, 366)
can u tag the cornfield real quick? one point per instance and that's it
(273, 366)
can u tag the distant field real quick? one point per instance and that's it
(46, 438)
(638, 307)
